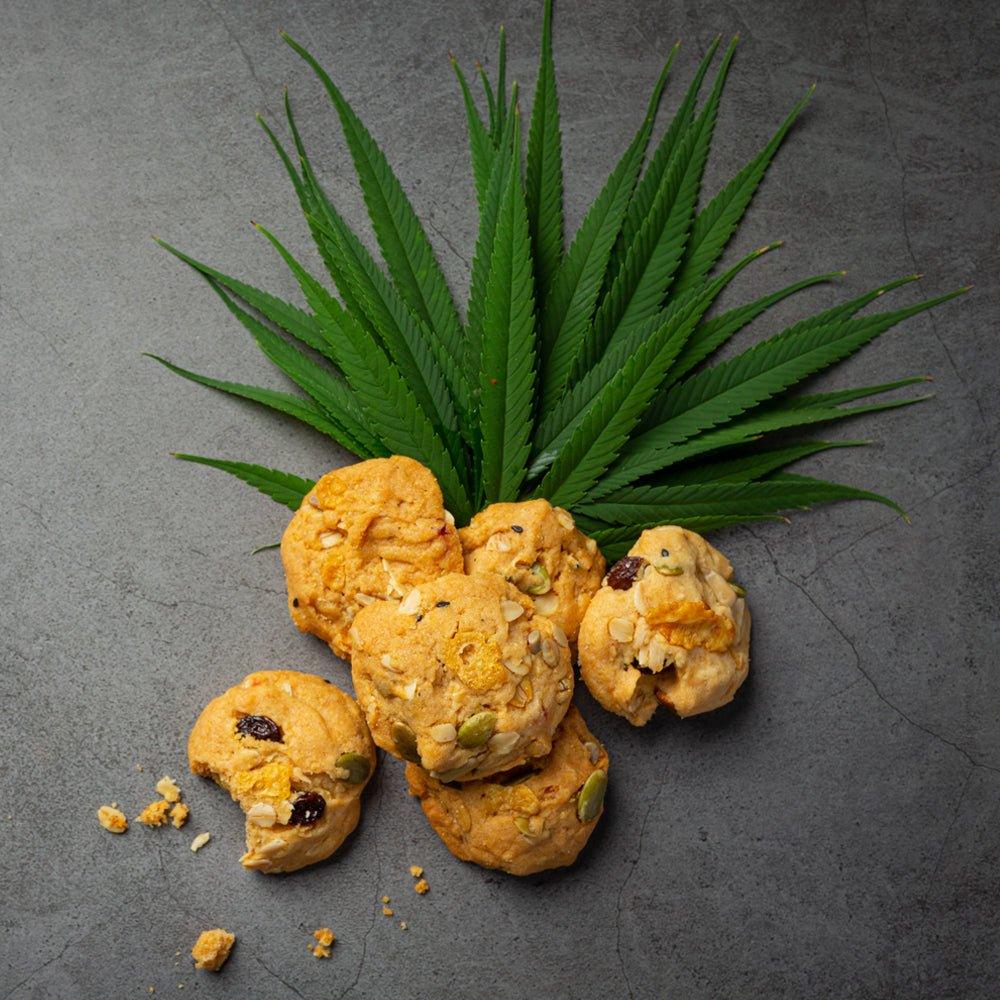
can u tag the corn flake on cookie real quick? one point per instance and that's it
(539, 549)
(527, 820)
(462, 676)
(666, 628)
(295, 752)
(366, 532)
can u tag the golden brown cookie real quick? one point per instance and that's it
(539, 549)
(461, 676)
(527, 820)
(295, 752)
(667, 628)
(365, 532)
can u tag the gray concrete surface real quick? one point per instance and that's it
(835, 833)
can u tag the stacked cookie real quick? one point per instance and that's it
(461, 645)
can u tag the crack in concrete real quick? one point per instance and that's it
(904, 214)
(274, 975)
(251, 69)
(451, 246)
(41, 968)
(621, 891)
(376, 903)
(858, 662)
(881, 526)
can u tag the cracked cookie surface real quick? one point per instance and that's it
(461, 676)
(366, 532)
(539, 549)
(667, 627)
(527, 820)
(295, 752)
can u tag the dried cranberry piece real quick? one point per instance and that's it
(307, 809)
(260, 727)
(622, 575)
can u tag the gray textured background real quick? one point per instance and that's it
(834, 833)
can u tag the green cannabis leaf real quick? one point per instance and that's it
(580, 372)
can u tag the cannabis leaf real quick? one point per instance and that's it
(580, 373)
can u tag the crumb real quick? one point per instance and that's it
(211, 950)
(155, 814)
(421, 887)
(385, 899)
(387, 912)
(152, 989)
(179, 814)
(416, 871)
(200, 841)
(167, 787)
(112, 819)
(403, 925)
(325, 936)
(324, 939)
(138, 767)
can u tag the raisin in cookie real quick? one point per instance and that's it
(528, 820)
(667, 627)
(295, 752)
(539, 549)
(461, 676)
(365, 532)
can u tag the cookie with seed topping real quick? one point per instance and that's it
(461, 676)
(295, 752)
(526, 820)
(666, 628)
(367, 532)
(539, 549)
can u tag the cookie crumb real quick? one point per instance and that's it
(324, 940)
(385, 899)
(138, 767)
(422, 887)
(179, 814)
(416, 871)
(200, 841)
(112, 819)
(167, 787)
(155, 814)
(211, 950)
(403, 925)
(388, 912)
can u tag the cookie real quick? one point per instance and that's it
(527, 820)
(461, 676)
(366, 532)
(666, 628)
(295, 752)
(539, 549)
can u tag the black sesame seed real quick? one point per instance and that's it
(665, 553)
(295, 602)
(420, 618)
(517, 528)
(442, 604)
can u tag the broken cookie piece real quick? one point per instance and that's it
(324, 942)
(212, 949)
(167, 788)
(112, 819)
(179, 814)
(294, 751)
(155, 814)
